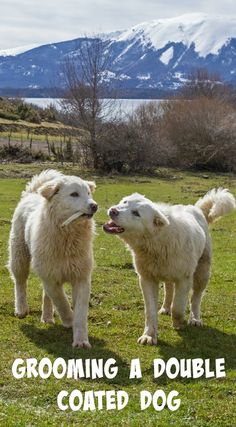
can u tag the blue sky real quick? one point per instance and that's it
(25, 22)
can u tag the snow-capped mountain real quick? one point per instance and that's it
(207, 33)
(157, 54)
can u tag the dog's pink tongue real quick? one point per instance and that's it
(111, 227)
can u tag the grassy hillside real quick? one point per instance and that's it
(29, 133)
(116, 321)
(23, 123)
(16, 109)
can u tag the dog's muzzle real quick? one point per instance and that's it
(111, 227)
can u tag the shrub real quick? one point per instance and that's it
(34, 117)
(68, 151)
(201, 133)
(50, 114)
(19, 154)
(27, 112)
(8, 115)
(134, 145)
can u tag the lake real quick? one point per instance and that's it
(122, 106)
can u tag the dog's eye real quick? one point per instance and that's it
(135, 213)
(74, 194)
(125, 201)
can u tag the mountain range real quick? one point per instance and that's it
(156, 55)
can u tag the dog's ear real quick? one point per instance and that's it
(49, 189)
(92, 186)
(159, 219)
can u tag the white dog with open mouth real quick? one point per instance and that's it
(52, 228)
(170, 244)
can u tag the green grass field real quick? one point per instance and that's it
(116, 321)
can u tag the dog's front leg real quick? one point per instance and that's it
(150, 289)
(81, 294)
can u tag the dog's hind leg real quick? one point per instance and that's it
(56, 293)
(181, 292)
(168, 297)
(201, 277)
(47, 309)
(19, 261)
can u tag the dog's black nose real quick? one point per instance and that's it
(93, 207)
(114, 212)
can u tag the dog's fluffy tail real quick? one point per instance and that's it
(216, 203)
(38, 180)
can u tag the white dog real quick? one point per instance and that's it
(171, 244)
(53, 229)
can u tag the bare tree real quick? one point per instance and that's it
(86, 73)
(202, 83)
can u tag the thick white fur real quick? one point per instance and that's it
(57, 254)
(170, 244)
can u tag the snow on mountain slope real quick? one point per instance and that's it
(208, 33)
(18, 50)
(167, 55)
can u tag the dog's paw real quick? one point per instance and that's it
(81, 344)
(147, 340)
(165, 311)
(178, 321)
(195, 322)
(48, 320)
(68, 323)
(22, 311)
(178, 325)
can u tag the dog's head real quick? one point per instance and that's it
(70, 196)
(135, 214)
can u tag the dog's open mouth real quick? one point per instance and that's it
(112, 228)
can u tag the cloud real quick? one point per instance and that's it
(41, 21)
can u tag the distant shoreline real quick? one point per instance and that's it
(129, 93)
